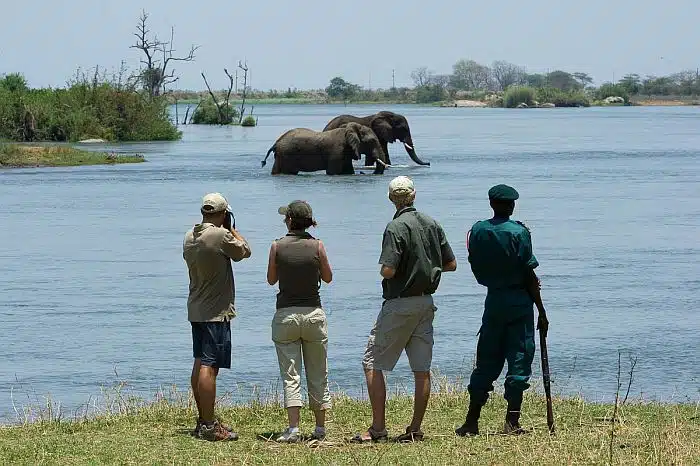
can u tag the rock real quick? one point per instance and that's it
(468, 103)
(547, 105)
(522, 105)
(614, 100)
(92, 141)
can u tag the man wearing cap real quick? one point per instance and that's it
(208, 249)
(415, 252)
(501, 258)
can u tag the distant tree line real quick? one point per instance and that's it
(472, 80)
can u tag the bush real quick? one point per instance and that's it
(612, 90)
(560, 98)
(516, 95)
(83, 110)
(208, 114)
(249, 121)
(429, 93)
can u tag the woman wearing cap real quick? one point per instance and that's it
(299, 262)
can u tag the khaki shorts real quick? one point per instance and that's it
(302, 332)
(403, 323)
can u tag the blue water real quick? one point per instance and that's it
(95, 287)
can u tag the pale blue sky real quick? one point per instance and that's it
(305, 43)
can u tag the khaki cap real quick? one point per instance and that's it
(401, 186)
(214, 203)
(296, 209)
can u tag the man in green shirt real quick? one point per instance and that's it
(501, 258)
(414, 254)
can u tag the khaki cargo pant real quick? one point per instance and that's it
(403, 323)
(297, 331)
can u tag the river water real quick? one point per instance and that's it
(94, 285)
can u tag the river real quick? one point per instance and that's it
(95, 287)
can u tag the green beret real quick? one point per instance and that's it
(503, 192)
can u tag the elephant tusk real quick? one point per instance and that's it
(408, 146)
(383, 164)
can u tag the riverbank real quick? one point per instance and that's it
(132, 433)
(21, 156)
(471, 103)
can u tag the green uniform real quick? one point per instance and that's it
(500, 254)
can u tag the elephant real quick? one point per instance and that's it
(307, 150)
(388, 126)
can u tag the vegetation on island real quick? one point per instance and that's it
(123, 429)
(489, 85)
(19, 156)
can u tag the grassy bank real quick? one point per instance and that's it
(159, 433)
(17, 156)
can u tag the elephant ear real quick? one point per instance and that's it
(382, 128)
(353, 141)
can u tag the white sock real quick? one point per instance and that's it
(294, 429)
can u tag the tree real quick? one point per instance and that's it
(535, 80)
(14, 82)
(421, 76)
(155, 76)
(632, 83)
(582, 78)
(469, 75)
(562, 80)
(506, 74)
(341, 89)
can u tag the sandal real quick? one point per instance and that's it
(410, 436)
(375, 436)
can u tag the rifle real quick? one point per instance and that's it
(534, 290)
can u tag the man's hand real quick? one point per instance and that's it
(542, 322)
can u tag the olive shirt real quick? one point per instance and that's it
(298, 269)
(208, 250)
(416, 247)
(500, 256)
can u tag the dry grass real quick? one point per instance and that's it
(16, 156)
(124, 430)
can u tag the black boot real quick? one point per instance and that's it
(512, 423)
(471, 424)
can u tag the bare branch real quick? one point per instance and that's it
(230, 87)
(218, 107)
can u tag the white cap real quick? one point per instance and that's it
(401, 185)
(213, 203)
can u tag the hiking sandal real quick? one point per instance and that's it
(375, 436)
(410, 436)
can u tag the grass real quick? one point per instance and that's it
(17, 156)
(130, 431)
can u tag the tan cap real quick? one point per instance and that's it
(214, 203)
(401, 185)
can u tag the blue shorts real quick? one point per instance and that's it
(211, 343)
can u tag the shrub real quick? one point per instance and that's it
(612, 90)
(429, 93)
(250, 120)
(516, 95)
(83, 110)
(560, 98)
(208, 114)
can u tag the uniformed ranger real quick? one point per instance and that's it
(500, 256)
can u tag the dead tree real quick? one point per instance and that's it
(158, 55)
(245, 86)
(223, 117)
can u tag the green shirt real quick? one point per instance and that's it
(500, 254)
(416, 247)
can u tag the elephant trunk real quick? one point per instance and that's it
(408, 145)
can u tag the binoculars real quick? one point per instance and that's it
(230, 221)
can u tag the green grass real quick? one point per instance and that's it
(16, 156)
(132, 432)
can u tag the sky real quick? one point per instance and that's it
(305, 43)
